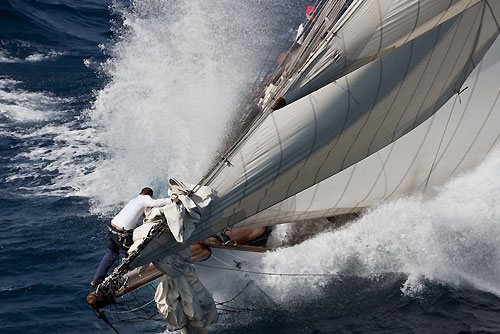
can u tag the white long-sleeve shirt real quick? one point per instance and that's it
(128, 216)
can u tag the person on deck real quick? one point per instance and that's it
(302, 32)
(304, 29)
(119, 237)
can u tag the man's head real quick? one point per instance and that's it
(147, 191)
(310, 11)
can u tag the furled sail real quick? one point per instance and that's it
(311, 144)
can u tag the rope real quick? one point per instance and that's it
(237, 295)
(269, 273)
(230, 309)
(442, 139)
(223, 307)
(324, 9)
(131, 310)
(102, 316)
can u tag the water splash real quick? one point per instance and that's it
(451, 238)
(177, 72)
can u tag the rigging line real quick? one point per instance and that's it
(218, 165)
(237, 295)
(140, 318)
(131, 310)
(275, 304)
(221, 261)
(224, 157)
(440, 143)
(230, 309)
(102, 316)
(269, 273)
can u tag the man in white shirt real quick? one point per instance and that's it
(119, 237)
(304, 29)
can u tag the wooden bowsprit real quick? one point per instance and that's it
(237, 239)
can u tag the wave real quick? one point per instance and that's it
(35, 57)
(177, 72)
(52, 154)
(19, 105)
(28, 26)
(450, 238)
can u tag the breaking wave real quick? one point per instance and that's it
(451, 238)
(173, 76)
(177, 71)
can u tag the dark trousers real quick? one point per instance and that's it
(117, 242)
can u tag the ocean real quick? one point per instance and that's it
(100, 98)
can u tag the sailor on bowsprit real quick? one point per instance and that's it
(119, 236)
(181, 298)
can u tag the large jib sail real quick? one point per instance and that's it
(337, 120)
(368, 30)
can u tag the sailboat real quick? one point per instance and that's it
(384, 98)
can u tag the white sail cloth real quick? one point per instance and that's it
(185, 302)
(369, 30)
(180, 297)
(339, 125)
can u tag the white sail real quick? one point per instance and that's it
(454, 139)
(368, 30)
(314, 141)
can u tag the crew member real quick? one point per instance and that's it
(119, 237)
(288, 58)
(304, 29)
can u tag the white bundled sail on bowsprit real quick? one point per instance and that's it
(376, 106)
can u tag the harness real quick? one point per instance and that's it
(122, 234)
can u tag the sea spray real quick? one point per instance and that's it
(177, 72)
(451, 238)
(173, 76)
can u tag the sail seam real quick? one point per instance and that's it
(279, 165)
(432, 119)
(311, 151)
(416, 23)
(475, 137)
(493, 15)
(429, 57)
(459, 122)
(451, 71)
(337, 139)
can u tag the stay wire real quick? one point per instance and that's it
(237, 295)
(102, 316)
(130, 310)
(269, 273)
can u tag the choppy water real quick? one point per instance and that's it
(96, 100)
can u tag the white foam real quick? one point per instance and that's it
(49, 143)
(177, 71)
(450, 238)
(5, 58)
(35, 57)
(44, 56)
(20, 105)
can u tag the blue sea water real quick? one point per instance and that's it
(97, 99)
